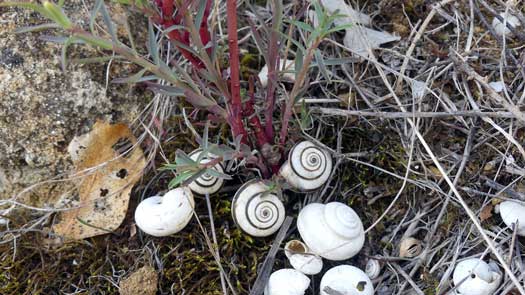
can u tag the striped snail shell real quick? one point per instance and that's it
(206, 183)
(256, 211)
(308, 167)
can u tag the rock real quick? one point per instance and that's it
(43, 108)
(142, 282)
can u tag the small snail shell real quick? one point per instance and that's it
(333, 231)
(163, 216)
(346, 279)
(373, 268)
(300, 258)
(501, 28)
(308, 167)
(287, 281)
(476, 277)
(256, 211)
(206, 183)
(288, 75)
(510, 213)
(410, 247)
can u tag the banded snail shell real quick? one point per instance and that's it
(308, 167)
(333, 230)
(256, 211)
(206, 183)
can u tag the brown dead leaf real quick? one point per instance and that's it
(111, 171)
(142, 282)
(486, 212)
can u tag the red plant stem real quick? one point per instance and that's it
(235, 109)
(254, 120)
(167, 10)
(204, 32)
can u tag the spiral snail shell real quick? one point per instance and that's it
(206, 183)
(256, 211)
(513, 214)
(346, 279)
(373, 268)
(333, 230)
(163, 216)
(308, 167)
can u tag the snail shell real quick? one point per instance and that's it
(308, 167)
(346, 279)
(206, 183)
(300, 258)
(373, 268)
(476, 277)
(163, 216)
(333, 231)
(510, 213)
(287, 281)
(256, 211)
(500, 28)
(410, 247)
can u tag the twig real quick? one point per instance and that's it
(266, 268)
(400, 115)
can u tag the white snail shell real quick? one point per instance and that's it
(510, 213)
(301, 259)
(476, 277)
(500, 28)
(410, 247)
(287, 281)
(163, 216)
(256, 211)
(373, 268)
(288, 75)
(206, 183)
(308, 167)
(346, 279)
(333, 231)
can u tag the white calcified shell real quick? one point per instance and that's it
(256, 211)
(500, 28)
(163, 216)
(333, 231)
(308, 167)
(373, 268)
(475, 277)
(301, 259)
(410, 247)
(287, 281)
(511, 212)
(206, 183)
(346, 279)
(288, 75)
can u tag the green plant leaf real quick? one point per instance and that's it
(299, 24)
(299, 56)
(152, 44)
(322, 67)
(58, 15)
(36, 28)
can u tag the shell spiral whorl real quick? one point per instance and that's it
(257, 212)
(308, 167)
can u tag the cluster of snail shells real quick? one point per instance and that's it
(341, 279)
(476, 277)
(308, 166)
(162, 216)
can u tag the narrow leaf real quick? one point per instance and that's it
(152, 44)
(322, 67)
